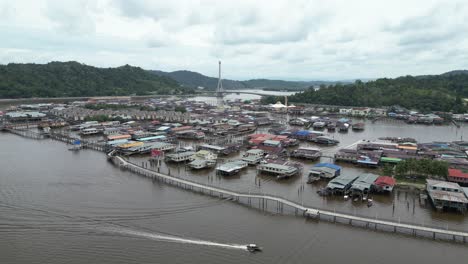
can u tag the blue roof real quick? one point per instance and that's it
(302, 132)
(328, 165)
(152, 138)
(440, 145)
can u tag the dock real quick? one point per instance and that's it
(279, 203)
(262, 201)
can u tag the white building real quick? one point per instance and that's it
(360, 111)
(345, 111)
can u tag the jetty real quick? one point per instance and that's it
(267, 201)
(262, 201)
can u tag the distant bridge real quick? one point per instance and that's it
(236, 92)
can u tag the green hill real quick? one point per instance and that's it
(425, 93)
(195, 79)
(69, 79)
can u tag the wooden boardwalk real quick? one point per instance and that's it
(320, 214)
(250, 199)
(85, 144)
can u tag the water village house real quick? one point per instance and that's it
(446, 195)
(379, 111)
(360, 111)
(345, 111)
(458, 176)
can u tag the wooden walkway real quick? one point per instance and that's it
(85, 144)
(263, 199)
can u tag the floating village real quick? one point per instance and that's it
(278, 140)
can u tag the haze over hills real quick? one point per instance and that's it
(195, 79)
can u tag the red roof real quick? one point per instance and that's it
(385, 180)
(182, 128)
(457, 173)
(257, 135)
(280, 138)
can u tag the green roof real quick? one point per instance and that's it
(390, 160)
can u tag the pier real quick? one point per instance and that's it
(85, 144)
(261, 201)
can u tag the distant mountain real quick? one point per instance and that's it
(194, 79)
(456, 72)
(71, 79)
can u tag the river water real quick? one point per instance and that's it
(58, 206)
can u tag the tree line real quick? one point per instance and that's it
(444, 92)
(422, 168)
(73, 79)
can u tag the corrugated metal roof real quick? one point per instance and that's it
(341, 181)
(328, 165)
(232, 166)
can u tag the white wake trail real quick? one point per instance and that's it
(174, 239)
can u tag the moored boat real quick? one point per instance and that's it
(358, 126)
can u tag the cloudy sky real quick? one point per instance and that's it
(303, 40)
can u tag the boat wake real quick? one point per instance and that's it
(173, 239)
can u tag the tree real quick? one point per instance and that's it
(180, 109)
(387, 170)
(425, 93)
(422, 168)
(63, 79)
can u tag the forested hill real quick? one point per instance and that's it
(195, 79)
(443, 92)
(69, 79)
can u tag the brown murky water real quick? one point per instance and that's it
(62, 207)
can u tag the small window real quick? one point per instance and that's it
(434, 188)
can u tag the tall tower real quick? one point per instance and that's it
(219, 89)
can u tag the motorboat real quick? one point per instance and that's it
(253, 248)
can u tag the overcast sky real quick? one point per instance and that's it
(304, 40)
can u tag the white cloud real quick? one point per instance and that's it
(255, 39)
